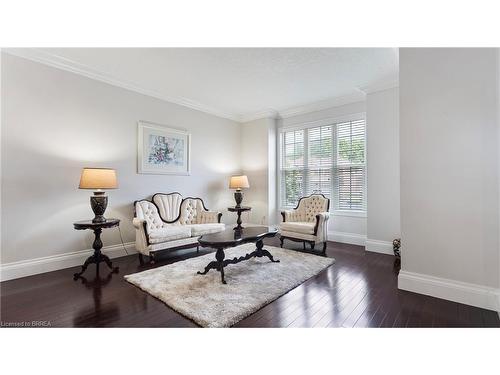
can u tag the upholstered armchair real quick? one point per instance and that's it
(308, 222)
(170, 221)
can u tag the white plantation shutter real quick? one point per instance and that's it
(350, 169)
(319, 172)
(326, 159)
(292, 167)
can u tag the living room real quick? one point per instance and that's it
(250, 186)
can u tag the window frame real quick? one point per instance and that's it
(332, 121)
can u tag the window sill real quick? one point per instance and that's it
(349, 213)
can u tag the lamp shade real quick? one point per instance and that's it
(98, 178)
(238, 182)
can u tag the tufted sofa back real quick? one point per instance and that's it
(191, 209)
(146, 210)
(172, 209)
(310, 206)
(168, 205)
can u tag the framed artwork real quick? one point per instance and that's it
(163, 150)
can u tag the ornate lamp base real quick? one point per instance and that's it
(99, 202)
(238, 197)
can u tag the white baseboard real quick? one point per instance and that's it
(376, 246)
(452, 290)
(14, 270)
(350, 238)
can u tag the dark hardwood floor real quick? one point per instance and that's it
(359, 290)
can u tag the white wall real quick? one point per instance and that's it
(382, 118)
(449, 173)
(1, 131)
(55, 122)
(272, 182)
(342, 228)
(498, 165)
(258, 162)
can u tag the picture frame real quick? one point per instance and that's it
(163, 150)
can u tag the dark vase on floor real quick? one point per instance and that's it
(396, 248)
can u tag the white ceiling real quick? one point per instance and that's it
(238, 83)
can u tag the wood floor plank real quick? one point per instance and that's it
(369, 317)
(359, 290)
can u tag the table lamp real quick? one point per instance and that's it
(238, 183)
(98, 179)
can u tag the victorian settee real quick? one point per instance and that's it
(308, 222)
(170, 221)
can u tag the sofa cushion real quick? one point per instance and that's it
(298, 227)
(169, 233)
(201, 229)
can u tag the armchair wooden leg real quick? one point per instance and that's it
(198, 249)
(281, 241)
(151, 259)
(304, 245)
(141, 259)
(312, 245)
(324, 248)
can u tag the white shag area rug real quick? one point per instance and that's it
(251, 284)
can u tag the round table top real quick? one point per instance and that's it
(233, 237)
(88, 224)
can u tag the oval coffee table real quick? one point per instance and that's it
(234, 237)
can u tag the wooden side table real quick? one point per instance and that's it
(239, 210)
(97, 257)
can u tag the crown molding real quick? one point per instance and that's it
(69, 65)
(267, 113)
(357, 96)
(381, 86)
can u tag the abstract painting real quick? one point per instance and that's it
(163, 150)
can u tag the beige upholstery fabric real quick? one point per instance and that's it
(138, 223)
(190, 211)
(168, 205)
(300, 222)
(171, 244)
(322, 233)
(201, 229)
(299, 227)
(147, 211)
(308, 208)
(313, 205)
(299, 236)
(294, 215)
(205, 217)
(169, 233)
(187, 220)
(141, 243)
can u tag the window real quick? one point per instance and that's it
(328, 159)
